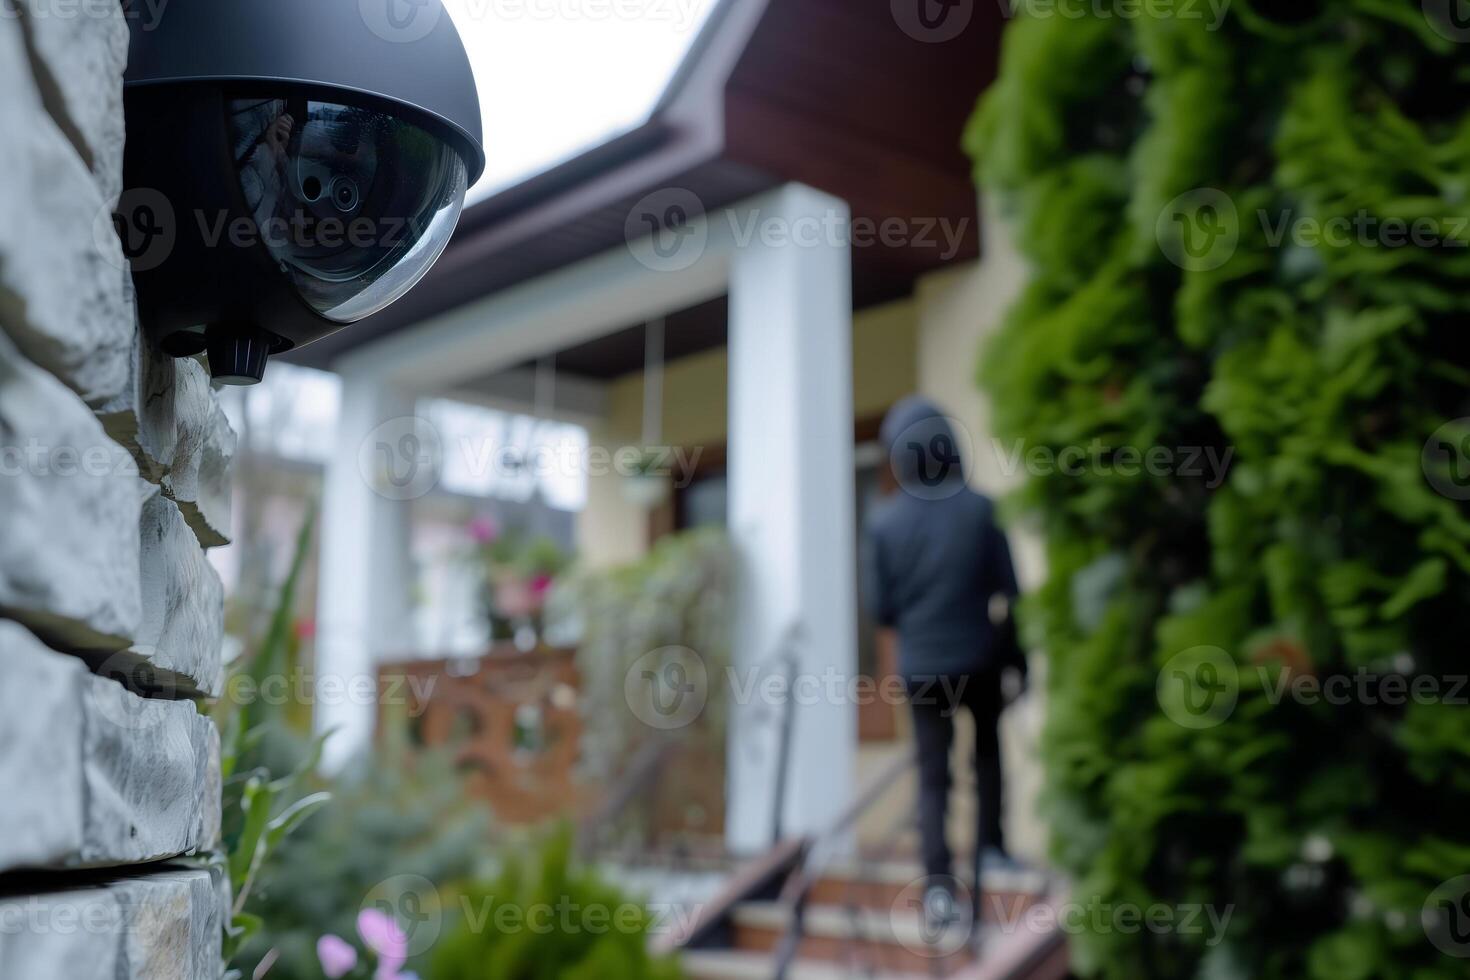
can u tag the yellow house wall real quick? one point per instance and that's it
(610, 531)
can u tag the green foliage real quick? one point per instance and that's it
(258, 812)
(517, 570)
(545, 918)
(514, 552)
(675, 599)
(1319, 370)
(305, 852)
(396, 813)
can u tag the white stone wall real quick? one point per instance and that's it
(113, 481)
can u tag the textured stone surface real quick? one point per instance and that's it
(94, 560)
(183, 600)
(42, 729)
(172, 926)
(75, 935)
(152, 777)
(199, 480)
(69, 554)
(163, 926)
(62, 272)
(79, 52)
(96, 776)
(142, 417)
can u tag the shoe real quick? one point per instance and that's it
(941, 912)
(976, 944)
(995, 860)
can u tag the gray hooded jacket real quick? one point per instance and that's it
(933, 556)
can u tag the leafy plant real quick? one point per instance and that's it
(259, 812)
(675, 599)
(545, 918)
(518, 570)
(513, 551)
(387, 814)
(393, 815)
(1319, 370)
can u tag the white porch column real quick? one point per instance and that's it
(791, 509)
(382, 461)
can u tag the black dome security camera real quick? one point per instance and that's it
(292, 166)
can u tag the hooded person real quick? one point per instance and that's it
(937, 569)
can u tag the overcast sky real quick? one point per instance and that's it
(558, 76)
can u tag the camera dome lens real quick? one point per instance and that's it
(344, 194)
(353, 203)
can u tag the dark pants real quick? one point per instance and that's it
(934, 703)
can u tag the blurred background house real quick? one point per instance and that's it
(696, 324)
(588, 501)
(546, 656)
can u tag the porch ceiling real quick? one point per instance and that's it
(830, 93)
(690, 331)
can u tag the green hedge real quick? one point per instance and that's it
(1148, 164)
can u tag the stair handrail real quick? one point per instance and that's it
(642, 771)
(814, 862)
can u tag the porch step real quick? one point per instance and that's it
(879, 885)
(727, 964)
(888, 941)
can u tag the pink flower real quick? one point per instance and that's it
(384, 937)
(336, 954)
(484, 530)
(540, 584)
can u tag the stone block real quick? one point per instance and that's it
(199, 479)
(97, 776)
(79, 51)
(141, 418)
(69, 557)
(43, 727)
(182, 625)
(162, 926)
(63, 294)
(172, 926)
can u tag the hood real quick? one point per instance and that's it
(916, 421)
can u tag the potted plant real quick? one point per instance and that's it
(648, 485)
(518, 570)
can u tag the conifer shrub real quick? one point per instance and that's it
(1220, 222)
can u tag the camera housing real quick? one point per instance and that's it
(292, 166)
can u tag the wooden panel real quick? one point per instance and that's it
(852, 65)
(486, 718)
